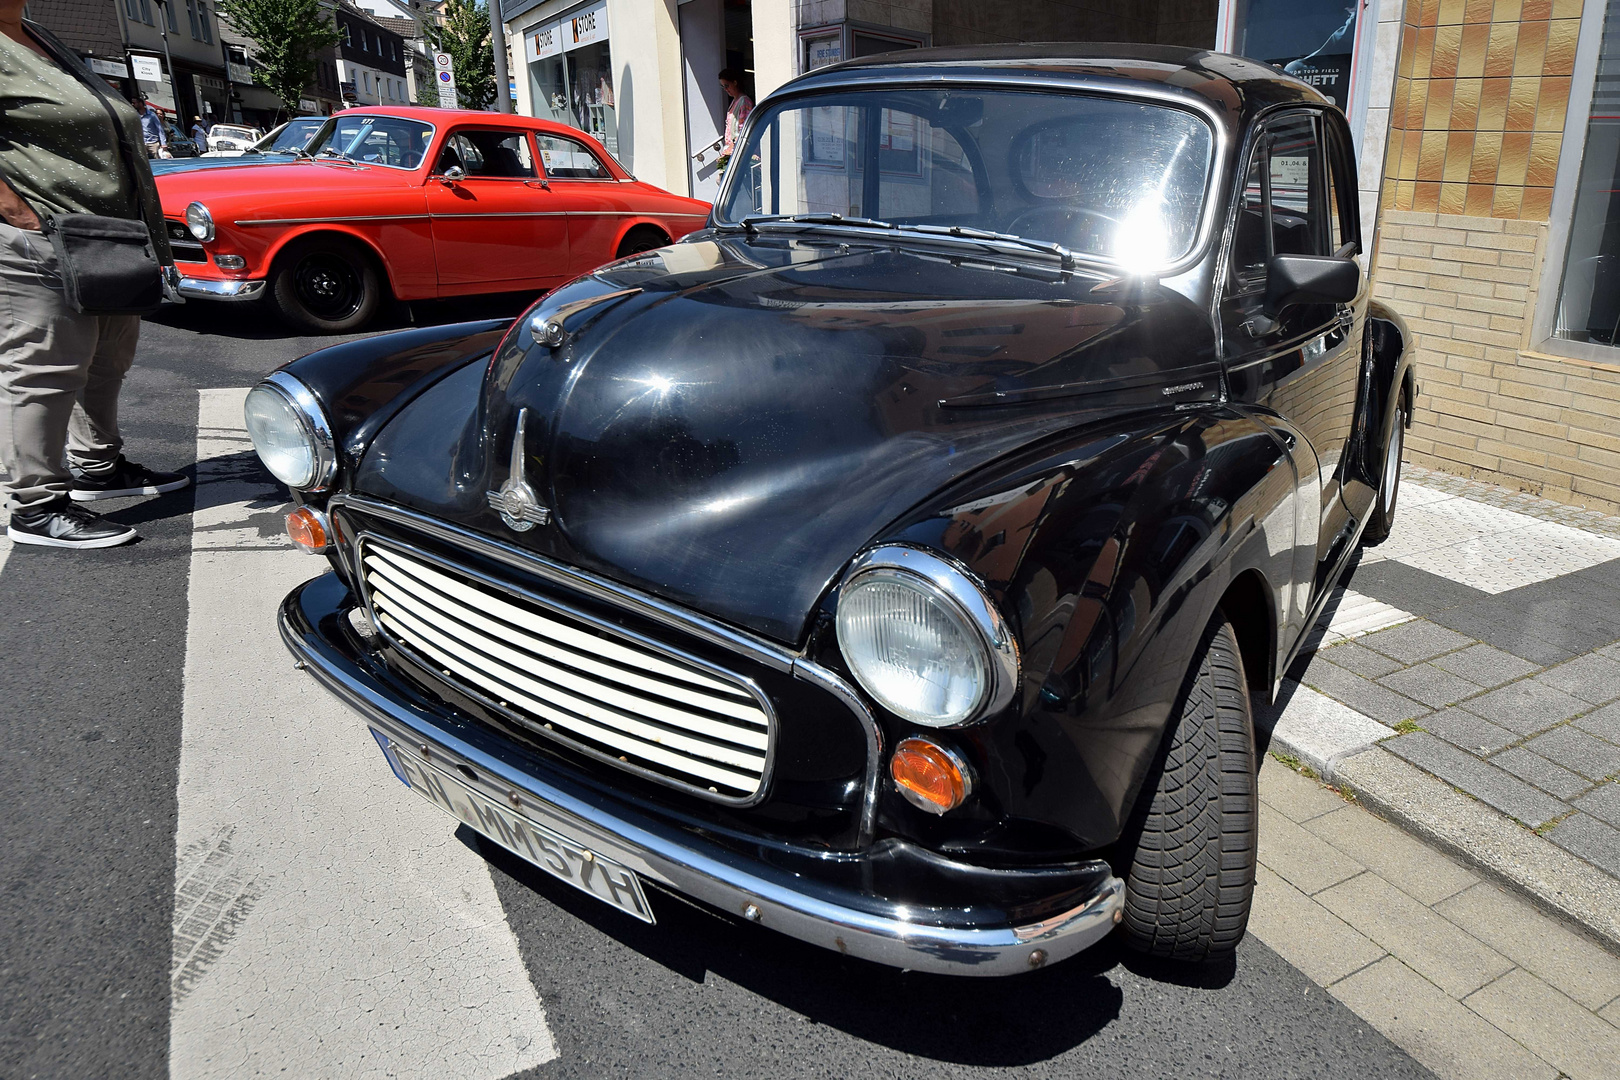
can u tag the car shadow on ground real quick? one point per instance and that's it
(254, 321)
(932, 1016)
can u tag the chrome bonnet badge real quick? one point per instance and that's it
(516, 501)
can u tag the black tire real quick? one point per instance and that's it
(1191, 878)
(325, 286)
(1389, 483)
(639, 239)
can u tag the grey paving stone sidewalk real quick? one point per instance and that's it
(1501, 677)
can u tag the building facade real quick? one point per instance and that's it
(371, 60)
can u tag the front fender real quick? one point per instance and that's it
(364, 384)
(1109, 552)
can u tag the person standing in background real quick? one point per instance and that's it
(199, 134)
(734, 83)
(61, 370)
(152, 131)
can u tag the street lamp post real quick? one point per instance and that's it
(497, 40)
(174, 82)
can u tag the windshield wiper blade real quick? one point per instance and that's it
(966, 232)
(753, 221)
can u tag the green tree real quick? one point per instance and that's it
(465, 36)
(286, 34)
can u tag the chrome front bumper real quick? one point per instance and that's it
(215, 289)
(855, 925)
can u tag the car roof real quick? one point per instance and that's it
(1231, 87)
(444, 117)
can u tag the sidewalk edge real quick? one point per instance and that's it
(1507, 853)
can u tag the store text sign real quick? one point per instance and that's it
(585, 27)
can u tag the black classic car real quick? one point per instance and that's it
(894, 562)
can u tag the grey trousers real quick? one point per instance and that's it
(60, 373)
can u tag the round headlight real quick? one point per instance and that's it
(290, 433)
(923, 639)
(200, 222)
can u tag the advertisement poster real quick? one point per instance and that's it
(1312, 40)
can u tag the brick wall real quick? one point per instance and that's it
(1490, 407)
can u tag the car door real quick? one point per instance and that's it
(1301, 363)
(495, 226)
(588, 191)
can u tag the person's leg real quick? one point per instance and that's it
(100, 470)
(45, 354)
(93, 442)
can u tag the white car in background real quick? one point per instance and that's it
(229, 139)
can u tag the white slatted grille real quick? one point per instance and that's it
(622, 699)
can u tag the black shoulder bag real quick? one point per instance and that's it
(109, 265)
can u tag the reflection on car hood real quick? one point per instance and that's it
(732, 432)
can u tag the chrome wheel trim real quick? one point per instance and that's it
(1392, 461)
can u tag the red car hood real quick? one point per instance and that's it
(302, 183)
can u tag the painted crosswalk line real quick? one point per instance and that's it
(327, 923)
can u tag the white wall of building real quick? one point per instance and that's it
(374, 87)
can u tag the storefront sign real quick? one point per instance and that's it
(116, 69)
(819, 52)
(147, 68)
(239, 73)
(305, 105)
(209, 82)
(584, 27)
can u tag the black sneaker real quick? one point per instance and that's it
(124, 479)
(61, 524)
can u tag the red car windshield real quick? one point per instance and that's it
(373, 140)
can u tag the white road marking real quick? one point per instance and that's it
(1485, 547)
(327, 922)
(1354, 615)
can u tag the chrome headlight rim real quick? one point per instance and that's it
(962, 590)
(317, 430)
(199, 222)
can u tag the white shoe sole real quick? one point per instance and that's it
(124, 493)
(17, 536)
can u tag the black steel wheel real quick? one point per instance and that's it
(1389, 483)
(639, 239)
(325, 285)
(1191, 876)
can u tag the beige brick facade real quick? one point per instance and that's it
(1491, 407)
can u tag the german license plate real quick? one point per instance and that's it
(545, 847)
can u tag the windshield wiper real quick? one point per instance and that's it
(965, 232)
(753, 221)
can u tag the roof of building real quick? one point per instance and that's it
(86, 26)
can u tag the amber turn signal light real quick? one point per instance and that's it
(308, 529)
(930, 776)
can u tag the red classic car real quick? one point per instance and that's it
(416, 204)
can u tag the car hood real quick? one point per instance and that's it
(265, 184)
(732, 421)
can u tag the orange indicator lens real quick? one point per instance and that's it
(307, 530)
(930, 777)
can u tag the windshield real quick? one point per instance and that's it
(221, 131)
(373, 140)
(1111, 178)
(291, 136)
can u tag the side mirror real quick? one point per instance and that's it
(452, 174)
(1310, 279)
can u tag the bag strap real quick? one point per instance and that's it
(75, 67)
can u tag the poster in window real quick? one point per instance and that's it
(1312, 40)
(827, 143)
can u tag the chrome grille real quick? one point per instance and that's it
(624, 700)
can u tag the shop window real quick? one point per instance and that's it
(566, 159)
(1588, 305)
(571, 73)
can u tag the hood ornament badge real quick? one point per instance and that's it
(516, 501)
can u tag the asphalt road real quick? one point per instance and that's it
(90, 704)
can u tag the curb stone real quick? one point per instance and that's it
(1580, 895)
